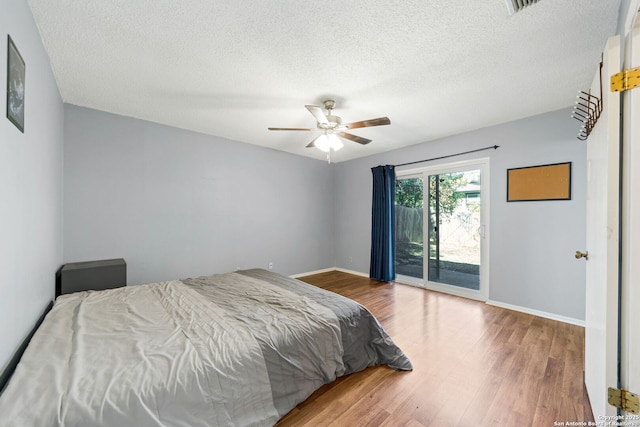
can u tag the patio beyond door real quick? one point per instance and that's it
(454, 229)
(440, 228)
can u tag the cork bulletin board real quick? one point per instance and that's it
(546, 182)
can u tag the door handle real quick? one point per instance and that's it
(584, 255)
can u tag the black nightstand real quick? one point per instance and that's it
(91, 275)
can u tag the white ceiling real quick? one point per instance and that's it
(234, 68)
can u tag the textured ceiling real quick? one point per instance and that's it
(234, 68)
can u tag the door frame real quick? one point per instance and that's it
(483, 164)
(630, 249)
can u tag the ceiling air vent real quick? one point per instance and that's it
(517, 5)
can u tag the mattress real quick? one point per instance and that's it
(240, 348)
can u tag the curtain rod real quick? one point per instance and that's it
(495, 147)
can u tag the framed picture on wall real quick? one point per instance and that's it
(15, 85)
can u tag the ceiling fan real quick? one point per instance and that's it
(332, 127)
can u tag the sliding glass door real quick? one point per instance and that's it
(409, 230)
(441, 214)
(454, 224)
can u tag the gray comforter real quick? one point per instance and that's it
(235, 349)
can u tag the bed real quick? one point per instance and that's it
(241, 348)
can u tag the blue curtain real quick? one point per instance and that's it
(383, 248)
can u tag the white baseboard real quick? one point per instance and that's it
(538, 313)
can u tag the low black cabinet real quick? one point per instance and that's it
(91, 275)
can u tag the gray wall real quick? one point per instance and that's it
(30, 185)
(533, 244)
(176, 203)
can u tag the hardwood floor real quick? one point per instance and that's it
(474, 365)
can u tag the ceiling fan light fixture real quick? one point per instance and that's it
(322, 143)
(334, 142)
(327, 142)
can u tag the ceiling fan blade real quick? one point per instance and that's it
(317, 113)
(368, 123)
(354, 138)
(291, 129)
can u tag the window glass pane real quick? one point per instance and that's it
(453, 224)
(409, 229)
